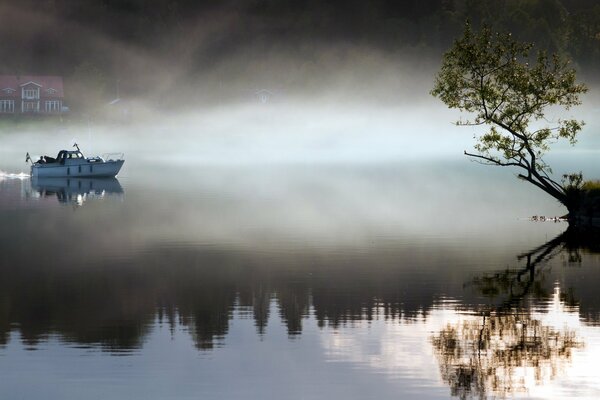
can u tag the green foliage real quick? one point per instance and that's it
(573, 182)
(592, 187)
(573, 188)
(583, 196)
(87, 88)
(503, 85)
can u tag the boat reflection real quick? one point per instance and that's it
(76, 191)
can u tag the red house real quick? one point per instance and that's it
(31, 94)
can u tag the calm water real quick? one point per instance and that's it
(330, 281)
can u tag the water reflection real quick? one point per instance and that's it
(167, 271)
(502, 353)
(506, 346)
(75, 190)
(508, 287)
(113, 305)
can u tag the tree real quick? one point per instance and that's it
(491, 76)
(88, 85)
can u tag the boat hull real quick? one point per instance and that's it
(88, 170)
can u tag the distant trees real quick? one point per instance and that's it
(188, 38)
(495, 79)
(87, 88)
(557, 25)
(584, 35)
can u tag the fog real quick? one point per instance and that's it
(348, 127)
(295, 131)
(187, 76)
(331, 168)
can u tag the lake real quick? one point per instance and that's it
(303, 280)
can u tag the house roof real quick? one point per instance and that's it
(30, 82)
(45, 81)
(263, 91)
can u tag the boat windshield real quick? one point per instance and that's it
(63, 154)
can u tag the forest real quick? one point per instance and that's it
(100, 42)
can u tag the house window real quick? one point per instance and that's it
(31, 94)
(51, 91)
(8, 90)
(52, 105)
(7, 106)
(31, 106)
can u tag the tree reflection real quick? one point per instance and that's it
(114, 306)
(501, 349)
(499, 352)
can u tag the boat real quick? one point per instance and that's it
(72, 163)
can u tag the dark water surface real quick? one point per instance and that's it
(332, 281)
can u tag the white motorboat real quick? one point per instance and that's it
(72, 163)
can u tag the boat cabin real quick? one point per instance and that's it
(65, 156)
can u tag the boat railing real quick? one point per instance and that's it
(113, 156)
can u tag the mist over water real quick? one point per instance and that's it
(311, 169)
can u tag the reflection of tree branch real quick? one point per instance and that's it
(508, 280)
(573, 241)
(479, 356)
